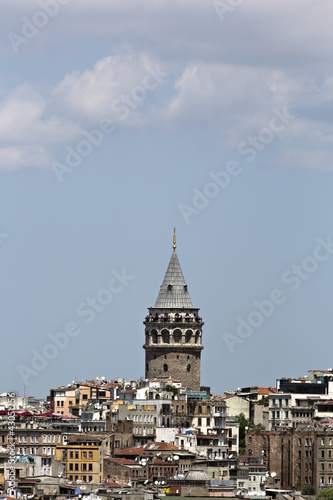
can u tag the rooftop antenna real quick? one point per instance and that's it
(174, 239)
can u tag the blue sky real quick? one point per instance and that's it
(122, 120)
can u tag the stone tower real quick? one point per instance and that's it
(173, 331)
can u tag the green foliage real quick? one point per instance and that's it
(243, 423)
(171, 388)
(308, 489)
(263, 401)
(325, 494)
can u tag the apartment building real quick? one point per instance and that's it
(83, 456)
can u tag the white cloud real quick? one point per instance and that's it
(12, 158)
(118, 88)
(94, 93)
(231, 75)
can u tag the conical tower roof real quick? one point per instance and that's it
(173, 292)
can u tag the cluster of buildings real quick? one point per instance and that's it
(167, 433)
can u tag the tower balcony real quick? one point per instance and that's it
(166, 319)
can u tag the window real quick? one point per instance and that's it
(199, 421)
(49, 439)
(177, 336)
(90, 467)
(70, 466)
(44, 438)
(76, 454)
(250, 440)
(84, 467)
(166, 336)
(165, 367)
(84, 454)
(84, 397)
(71, 454)
(90, 479)
(90, 455)
(188, 336)
(322, 441)
(188, 368)
(76, 466)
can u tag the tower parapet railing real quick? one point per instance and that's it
(173, 318)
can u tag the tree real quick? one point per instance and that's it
(243, 423)
(263, 401)
(326, 494)
(308, 489)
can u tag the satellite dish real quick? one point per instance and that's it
(176, 457)
(273, 474)
(146, 481)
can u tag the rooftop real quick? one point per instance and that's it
(173, 291)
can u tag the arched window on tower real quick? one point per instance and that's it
(188, 336)
(154, 336)
(165, 367)
(188, 368)
(177, 335)
(166, 336)
(197, 337)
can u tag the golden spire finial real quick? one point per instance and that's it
(174, 239)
